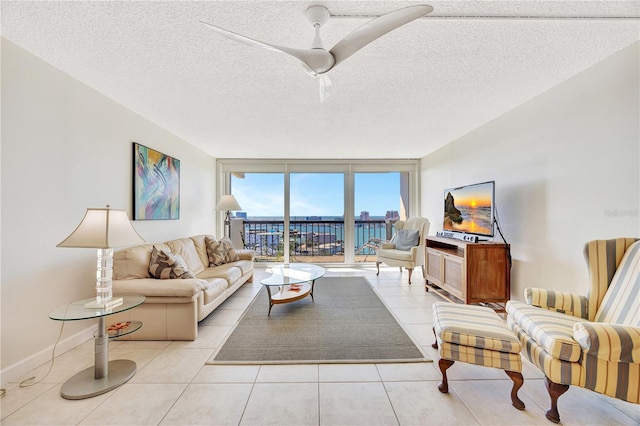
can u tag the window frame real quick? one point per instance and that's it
(226, 167)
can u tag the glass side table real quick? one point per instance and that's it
(105, 375)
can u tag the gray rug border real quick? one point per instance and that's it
(425, 359)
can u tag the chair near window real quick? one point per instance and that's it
(248, 242)
(406, 249)
(371, 244)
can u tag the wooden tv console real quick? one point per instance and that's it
(469, 272)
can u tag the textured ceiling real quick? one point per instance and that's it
(403, 96)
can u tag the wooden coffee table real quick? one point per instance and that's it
(294, 281)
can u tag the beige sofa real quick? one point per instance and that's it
(174, 307)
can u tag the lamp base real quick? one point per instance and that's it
(111, 303)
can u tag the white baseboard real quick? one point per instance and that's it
(17, 371)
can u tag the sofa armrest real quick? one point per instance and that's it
(559, 301)
(384, 245)
(609, 342)
(245, 254)
(162, 288)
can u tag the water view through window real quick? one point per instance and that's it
(313, 229)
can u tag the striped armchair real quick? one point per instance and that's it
(594, 341)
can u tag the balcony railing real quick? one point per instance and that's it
(312, 240)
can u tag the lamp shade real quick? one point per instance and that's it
(228, 202)
(103, 228)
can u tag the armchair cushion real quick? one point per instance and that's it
(603, 258)
(407, 238)
(609, 342)
(464, 324)
(621, 303)
(552, 330)
(558, 301)
(394, 254)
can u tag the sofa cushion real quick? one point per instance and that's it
(165, 266)
(227, 271)
(220, 252)
(552, 330)
(246, 266)
(621, 304)
(186, 248)
(201, 247)
(133, 262)
(170, 288)
(217, 287)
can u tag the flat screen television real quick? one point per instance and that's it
(470, 209)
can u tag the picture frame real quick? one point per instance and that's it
(156, 185)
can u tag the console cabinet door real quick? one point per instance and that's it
(453, 276)
(434, 266)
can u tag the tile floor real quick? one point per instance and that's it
(174, 387)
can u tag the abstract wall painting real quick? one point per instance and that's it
(156, 185)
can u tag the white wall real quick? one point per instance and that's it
(66, 147)
(566, 167)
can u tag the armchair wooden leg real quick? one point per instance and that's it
(518, 381)
(555, 391)
(444, 364)
(410, 272)
(378, 268)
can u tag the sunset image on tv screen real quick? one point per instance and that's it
(469, 209)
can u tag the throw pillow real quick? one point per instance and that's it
(405, 239)
(220, 252)
(165, 265)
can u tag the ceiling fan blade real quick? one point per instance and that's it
(316, 61)
(377, 27)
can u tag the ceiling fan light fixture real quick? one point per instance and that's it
(324, 84)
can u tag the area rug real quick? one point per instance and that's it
(347, 323)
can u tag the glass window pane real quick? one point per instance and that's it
(261, 221)
(378, 205)
(317, 217)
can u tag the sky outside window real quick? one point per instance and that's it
(316, 194)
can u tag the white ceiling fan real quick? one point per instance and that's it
(317, 61)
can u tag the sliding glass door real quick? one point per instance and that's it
(316, 219)
(324, 212)
(260, 224)
(378, 205)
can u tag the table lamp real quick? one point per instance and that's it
(103, 229)
(227, 203)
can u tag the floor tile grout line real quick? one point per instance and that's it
(393, 408)
(164, 349)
